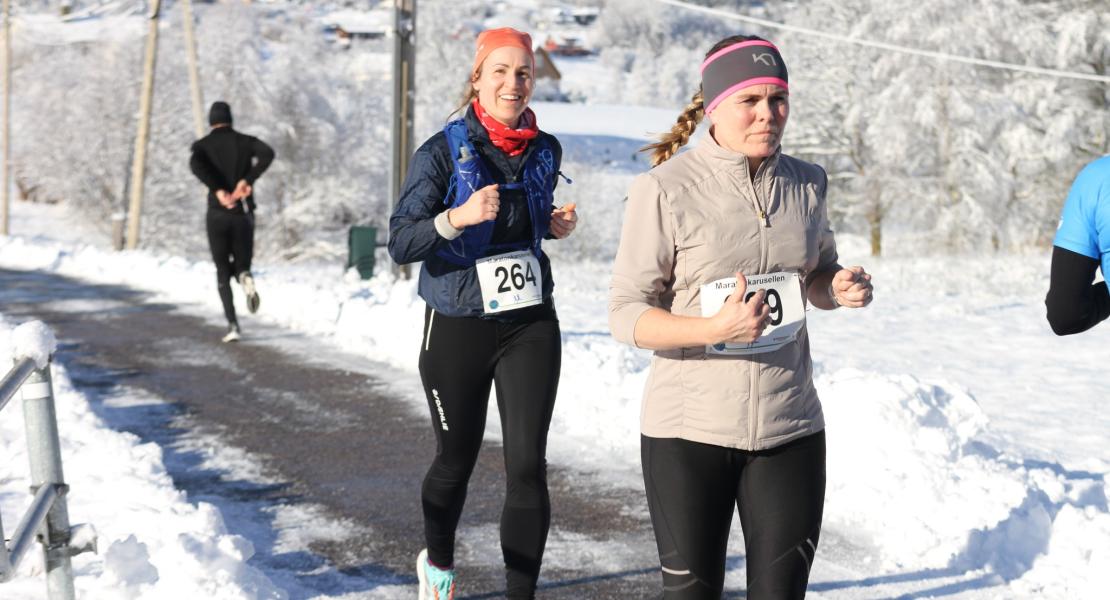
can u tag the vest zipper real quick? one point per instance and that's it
(765, 223)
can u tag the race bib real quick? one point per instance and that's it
(784, 297)
(510, 281)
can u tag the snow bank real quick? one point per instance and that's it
(910, 476)
(896, 461)
(154, 544)
(1077, 562)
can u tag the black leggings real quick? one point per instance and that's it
(231, 239)
(692, 490)
(459, 359)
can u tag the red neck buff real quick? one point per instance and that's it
(510, 140)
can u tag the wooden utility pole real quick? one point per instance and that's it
(7, 161)
(194, 76)
(138, 167)
(404, 72)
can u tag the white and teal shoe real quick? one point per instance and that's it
(435, 583)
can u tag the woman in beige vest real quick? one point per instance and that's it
(722, 248)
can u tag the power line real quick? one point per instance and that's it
(994, 64)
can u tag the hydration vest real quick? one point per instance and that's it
(470, 175)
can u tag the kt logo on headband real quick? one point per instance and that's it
(765, 58)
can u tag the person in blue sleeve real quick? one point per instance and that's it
(475, 206)
(1082, 246)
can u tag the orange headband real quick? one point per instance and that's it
(492, 39)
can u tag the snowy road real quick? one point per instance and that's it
(319, 429)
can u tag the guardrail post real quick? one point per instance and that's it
(46, 469)
(5, 564)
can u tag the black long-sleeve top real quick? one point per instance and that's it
(224, 157)
(1074, 303)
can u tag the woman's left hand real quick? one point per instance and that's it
(563, 220)
(852, 287)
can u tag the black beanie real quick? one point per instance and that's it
(220, 113)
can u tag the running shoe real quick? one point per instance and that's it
(247, 282)
(232, 333)
(435, 583)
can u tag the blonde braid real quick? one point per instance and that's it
(679, 135)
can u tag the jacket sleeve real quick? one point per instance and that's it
(263, 155)
(1074, 303)
(644, 267)
(413, 232)
(203, 169)
(826, 241)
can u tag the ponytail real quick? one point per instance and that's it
(468, 96)
(680, 133)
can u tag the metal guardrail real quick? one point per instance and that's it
(47, 519)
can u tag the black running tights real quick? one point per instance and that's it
(231, 240)
(459, 360)
(693, 489)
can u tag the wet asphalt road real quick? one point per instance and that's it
(328, 433)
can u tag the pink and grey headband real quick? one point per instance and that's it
(738, 66)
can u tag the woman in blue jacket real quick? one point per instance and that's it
(475, 207)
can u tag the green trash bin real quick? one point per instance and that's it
(361, 242)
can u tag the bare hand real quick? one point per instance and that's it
(225, 199)
(563, 220)
(242, 190)
(741, 321)
(480, 207)
(852, 287)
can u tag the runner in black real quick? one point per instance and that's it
(228, 163)
(475, 207)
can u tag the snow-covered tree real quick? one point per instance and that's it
(922, 154)
(323, 111)
(445, 32)
(73, 126)
(944, 155)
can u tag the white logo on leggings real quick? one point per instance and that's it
(439, 407)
